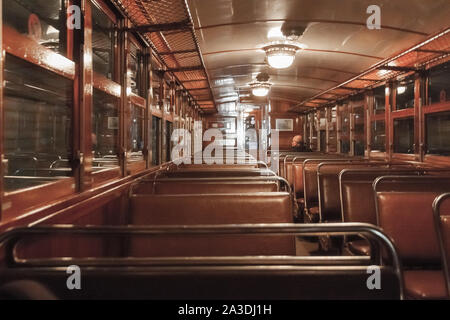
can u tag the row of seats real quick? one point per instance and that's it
(218, 232)
(396, 196)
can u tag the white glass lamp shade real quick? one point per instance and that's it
(280, 60)
(281, 56)
(260, 89)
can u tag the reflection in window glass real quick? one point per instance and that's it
(404, 135)
(136, 134)
(38, 125)
(379, 95)
(41, 20)
(156, 85)
(332, 134)
(345, 130)
(378, 136)
(167, 142)
(358, 131)
(156, 134)
(439, 84)
(103, 35)
(438, 133)
(323, 140)
(134, 69)
(405, 94)
(105, 129)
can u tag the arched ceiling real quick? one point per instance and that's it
(231, 34)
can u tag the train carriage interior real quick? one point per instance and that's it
(225, 149)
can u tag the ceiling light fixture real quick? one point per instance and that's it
(261, 87)
(281, 54)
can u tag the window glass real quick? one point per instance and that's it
(38, 125)
(378, 136)
(136, 133)
(168, 143)
(103, 40)
(41, 20)
(379, 95)
(358, 131)
(438, 133)
(344, 130)
(405, 94)
(167, 96)
(134, 69)
(156, 85)
(314, 126)
(404, 135)
(156, 135)
(439, 84)
(332, 134)
(105, 130)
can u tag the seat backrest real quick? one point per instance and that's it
(211, 209)
(297, 170)
(404, 212)
(180, 187)
(224, 172)
(356, 192)
(328, 185)
(441, 208)
(310, 186)
(273, 207)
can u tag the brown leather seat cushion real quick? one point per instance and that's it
(274, 207)
(297, 169)
(204, 209)
(407, 218)
(424, 284)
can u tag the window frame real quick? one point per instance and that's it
(26, 49)
(110, 87)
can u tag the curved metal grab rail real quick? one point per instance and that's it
(11, 237)
(437, 203)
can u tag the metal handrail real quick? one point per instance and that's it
(437, 203)
(11, 238)
(249, 179)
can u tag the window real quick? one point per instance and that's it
(358, 131)
(438, 133)
(41, 20)
(136, 134)
(156, 87)
(135, 68)
(332, 135)
(379, 95)
(405, 94)
(103, 42)
(105, 130)
(378, 136)
(404, 135)
(168, 143)
(439, 84)
(344, 129)
(38, 125)
(156, 134)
